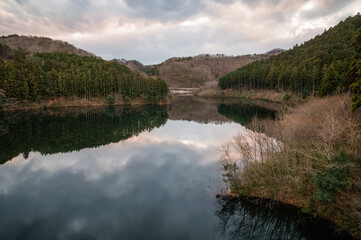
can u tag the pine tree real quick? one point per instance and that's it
(329, 82)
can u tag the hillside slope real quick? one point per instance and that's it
(50, 76)
(319, 66)
(199, 71)
(35, 44)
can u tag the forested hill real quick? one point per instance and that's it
(197, 71)
(319, 66)
(60, 74)
(34, 44)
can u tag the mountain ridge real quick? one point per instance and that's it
(36, 44)
(202, 70)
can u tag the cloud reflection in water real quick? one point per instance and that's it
(157, 185)
(151, 186)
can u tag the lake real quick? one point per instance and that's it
(134, 173)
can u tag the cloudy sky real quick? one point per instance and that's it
(153, 30)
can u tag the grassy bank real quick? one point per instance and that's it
(217, 93)
(310, 158)
(64, 102)
(260, 94)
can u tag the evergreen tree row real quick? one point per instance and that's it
(319, 66)
(52, 75)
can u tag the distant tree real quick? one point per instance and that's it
(6, 52)
(110, 100)
(329, 82)
(20, 55)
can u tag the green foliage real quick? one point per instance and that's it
(153, 71)
(154, 95)
(356, 95)
(146, 99)
(182, 59)
(38, 99)
(1, 103)
(307, 210)
(53, 75)
(110, 100)
(329, 82)
(230, 176)
(355, 74)
(126, 99)
(340, 158)
(9, 36)
(6, 52)
(310, 208)
(286, 97)
(332, 178)
(244, 192)
(303, 68)
(304, 95)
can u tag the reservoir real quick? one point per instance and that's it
(142, 172)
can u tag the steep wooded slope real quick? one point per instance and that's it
(319, 66)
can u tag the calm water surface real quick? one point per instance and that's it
(132, 173)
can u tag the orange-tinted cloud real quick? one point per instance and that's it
(153, 30)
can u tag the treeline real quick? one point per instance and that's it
(52, 75)
(319, 66)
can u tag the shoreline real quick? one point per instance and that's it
(254, 94)
(69, 102)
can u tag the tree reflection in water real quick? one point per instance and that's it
(246, 218)
(66, 130)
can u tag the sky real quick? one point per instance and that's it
(152, 31)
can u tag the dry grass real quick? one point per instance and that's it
(282, 162)
(64, 102)
(216, 93)
(268, 95)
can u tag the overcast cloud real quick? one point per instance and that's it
(153, 30)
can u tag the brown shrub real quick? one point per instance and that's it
(281, 162)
